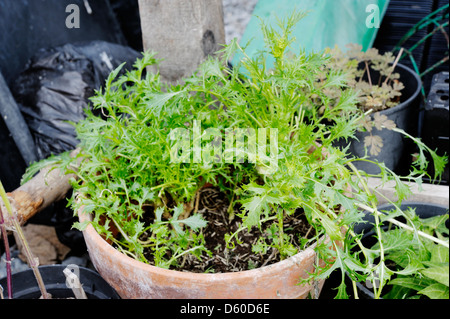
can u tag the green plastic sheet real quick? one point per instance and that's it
(328, 23)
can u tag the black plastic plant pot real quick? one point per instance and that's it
(396, 149)
(423, 210)
(25, 286)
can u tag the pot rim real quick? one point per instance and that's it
(133, 263)
(405, 103)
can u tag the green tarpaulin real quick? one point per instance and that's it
(328, 23)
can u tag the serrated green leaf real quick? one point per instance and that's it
(395, 239)
(402, 190)
(112, 76)
(260, 247)
(255, 188)
(331, 228)
(177, 212)
(346, 202)
(288, 250)
(439, 254)
(438, 273)
(342, 292)
(81, 226)
(414, 283)
(158, 213)
(159, 99)
(439, 163)
(435, 291)
(399, 292)
(194, 222)
(147, 195)
(412, 267)
(254, 208)
(177, 227)
(435, 221)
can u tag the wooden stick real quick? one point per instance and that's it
(4, 236)
(48, 186)
(394, 65)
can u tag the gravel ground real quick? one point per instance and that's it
(237, 14)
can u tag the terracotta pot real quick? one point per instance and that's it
(135, 279)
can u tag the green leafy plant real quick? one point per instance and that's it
(156, 148)
(421, 264)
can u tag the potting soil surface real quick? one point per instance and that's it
(213, 205)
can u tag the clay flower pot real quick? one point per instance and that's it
(135, 279)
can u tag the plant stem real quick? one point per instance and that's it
(355, 289)
(394, 65)
(377, 292)
(31, 260)
(183, 253)
(368, 73)
(280, 217)
(124, 234)
(4, 235)
(402, 225)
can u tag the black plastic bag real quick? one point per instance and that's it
(56, 84)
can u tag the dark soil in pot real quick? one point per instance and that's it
(213, 205)
(25, 285)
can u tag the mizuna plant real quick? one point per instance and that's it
(146, 204)
(420, 259)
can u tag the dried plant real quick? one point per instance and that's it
(378, 87)
(11, 214)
